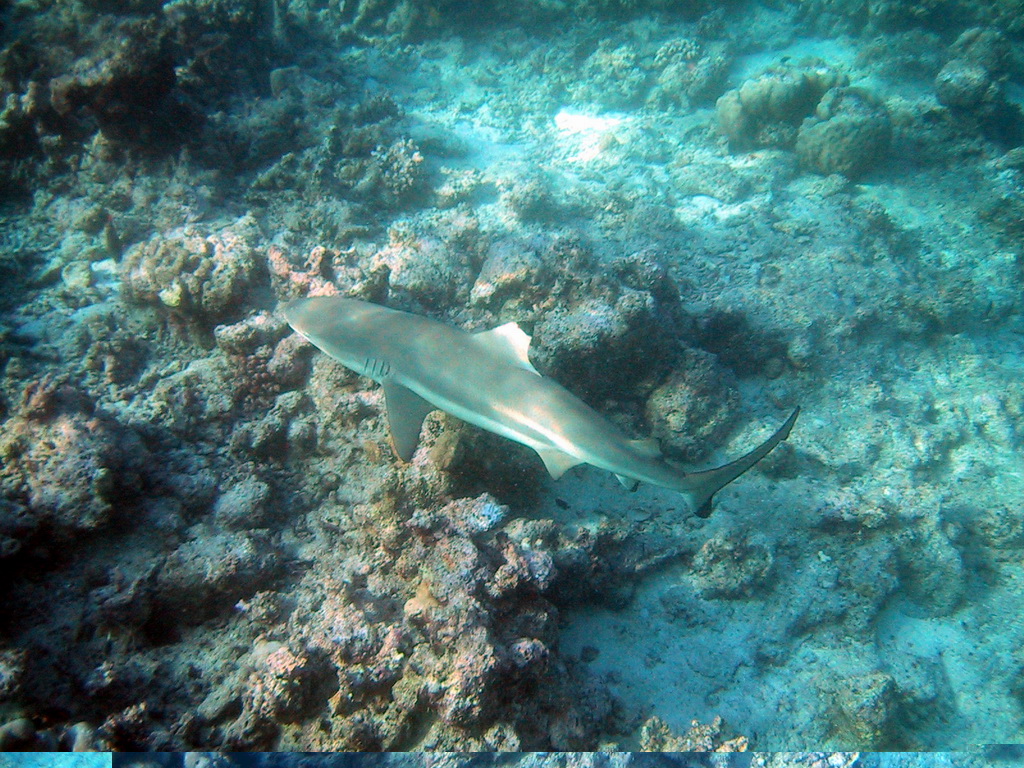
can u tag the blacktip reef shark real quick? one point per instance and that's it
(487, 379)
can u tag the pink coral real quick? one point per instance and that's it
(290, 282)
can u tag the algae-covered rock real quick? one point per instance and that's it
(972, 82)
(963, 84)
(605, 333)
(512, 275)
(12, 670)
(246, 336)
(985, 46)
(933, 575)
(210, 573)
(691, 412)
(424, 272)
(243, 505)
(79, 467)
(285, 685)
(766, 111)
(65, 467)
(597, 345)
(998, 528)
(865, 708)
(730, 568)
(849, 133)
(469, 686)
(396, 173)
(204, 277)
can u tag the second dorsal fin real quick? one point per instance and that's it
(511, 341)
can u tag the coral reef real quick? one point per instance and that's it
(689, 72)
(849, 133)
(200, 278)
(67, 470)
(476, 615)
(206, 541)
(767, 111)
(971, 85)
(656, 736)
(833, 127)
(806, 759)
(128, 88)
(611, 78)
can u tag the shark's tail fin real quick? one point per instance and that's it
(700, 487)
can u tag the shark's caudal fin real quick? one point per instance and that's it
(700, 487)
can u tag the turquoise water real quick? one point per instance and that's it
(702, 215)
(55, 760)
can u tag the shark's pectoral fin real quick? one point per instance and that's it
(558, 463)
(511, 341)
(406, 411)
(628, 482)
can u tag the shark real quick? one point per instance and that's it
(487, 379)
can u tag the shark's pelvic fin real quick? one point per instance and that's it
(558, 463)
(511, 341)
(628, 482)
(406, 411)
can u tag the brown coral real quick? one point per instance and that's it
(203, 277)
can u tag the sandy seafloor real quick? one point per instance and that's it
(705, 214)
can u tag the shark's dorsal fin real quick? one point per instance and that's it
(511, 341)
(406, 411)
(557, 462)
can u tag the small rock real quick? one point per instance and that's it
(726, 568)
(510, 270)
(962, 84)
(691, 412)
(243, 505)
(211, 573)
(16, 734)
(244, 337)
(866, 706)
(77, 276)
